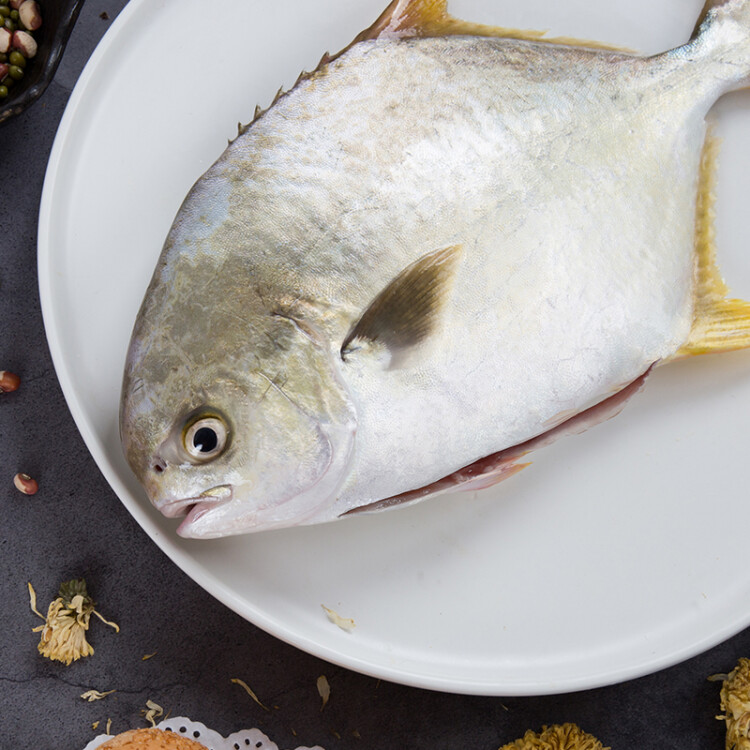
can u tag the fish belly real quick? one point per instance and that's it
(569, 180)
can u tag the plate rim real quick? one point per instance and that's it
(196, 571)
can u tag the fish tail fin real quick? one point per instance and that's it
(720, 323)
(735, 8)
(723, 34)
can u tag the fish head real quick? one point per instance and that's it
(243, 459)
(232, 414)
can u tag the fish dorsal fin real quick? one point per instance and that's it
(720, 324)
(424, 18)
(406, 312)
(403, 19)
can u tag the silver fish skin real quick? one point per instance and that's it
(432, 249)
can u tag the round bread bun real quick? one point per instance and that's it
(150, 739)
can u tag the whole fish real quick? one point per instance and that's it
(444, 247)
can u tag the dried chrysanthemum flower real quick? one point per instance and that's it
(735, 704)
(64, 630)
(557, 737)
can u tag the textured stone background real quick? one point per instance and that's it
(76, 526)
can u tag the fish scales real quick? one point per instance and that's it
(520, 214)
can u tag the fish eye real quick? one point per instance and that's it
(205, 438)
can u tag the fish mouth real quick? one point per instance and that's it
(194, 507)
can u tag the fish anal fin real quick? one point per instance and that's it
(403, 19)
(490, 477)
(492, 469)
(407, 310)
(478, 476)
(719, 324)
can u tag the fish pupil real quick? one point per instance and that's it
(205, 440)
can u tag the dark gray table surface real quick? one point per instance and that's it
(76, 526)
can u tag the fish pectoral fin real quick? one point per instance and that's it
(430, 18)
(407, 311)
(720, 324)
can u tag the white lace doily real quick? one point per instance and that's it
(247, 739)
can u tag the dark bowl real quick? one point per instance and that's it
(58, 19)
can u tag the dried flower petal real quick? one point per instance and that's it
(557, 737)
(32, 601)
(345, 623)
(153, 711)
(113, 625)
(249, 691)
(324, 690)
(148, 656)
(95, 695)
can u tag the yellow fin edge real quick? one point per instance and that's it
(430, 18)
(719, 324)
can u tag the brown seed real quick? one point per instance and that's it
(30, 15)
(5, 40)
(24, 483)
(9, 381)
(25, 44)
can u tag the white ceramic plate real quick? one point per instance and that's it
(614, 555)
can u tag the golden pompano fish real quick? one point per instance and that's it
(442, 248)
